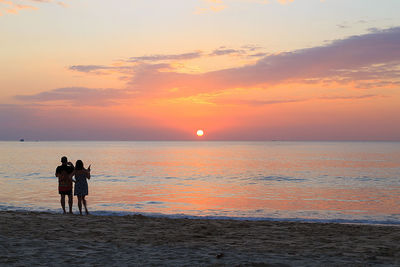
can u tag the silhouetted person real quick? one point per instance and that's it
(81, 186)
(64, 174)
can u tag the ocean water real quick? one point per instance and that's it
(349, 182)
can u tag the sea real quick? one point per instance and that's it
(343, 182)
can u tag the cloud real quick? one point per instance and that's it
(349, 97)
(63, 4)
(219, 5)
(89, 68)
(245, 51)
(265, 102)
(251, 47)
(368, 60)
(128, 66)
(80, 96)
(211, 6)
(348, 24)
(101, 69)
(226, 51)
(14, 6)
(184, 56)
(258, 55)
(262, 102)
(372, 56)
(369, 56)
(284, 2)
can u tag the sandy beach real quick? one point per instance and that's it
(33, 238)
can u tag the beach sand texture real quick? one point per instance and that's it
(34, 238)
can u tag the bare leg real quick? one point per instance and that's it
(80, 204)
(84, 204)
(62, 200)
(70, 202)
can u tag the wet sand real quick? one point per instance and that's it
(33, 238)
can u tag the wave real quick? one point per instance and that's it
(382, 222)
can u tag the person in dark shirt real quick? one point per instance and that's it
(64, 175)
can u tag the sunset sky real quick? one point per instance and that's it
(237, 69)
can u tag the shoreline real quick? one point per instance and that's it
(28, 238)
(213, 217)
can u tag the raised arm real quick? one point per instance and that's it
(88, 172)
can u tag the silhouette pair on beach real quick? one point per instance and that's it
(68, 174)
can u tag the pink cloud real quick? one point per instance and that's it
(371, 59)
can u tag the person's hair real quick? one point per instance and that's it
(64, 159)
(79, 165)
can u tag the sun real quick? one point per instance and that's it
(200, 133)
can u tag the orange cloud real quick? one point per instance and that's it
(14, 6)
(211, 6)
(219, 5)
(284, 2)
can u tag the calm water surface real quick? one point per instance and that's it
(310, 181)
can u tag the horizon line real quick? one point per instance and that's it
(210, 140)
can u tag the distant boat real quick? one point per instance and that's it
(21, 140)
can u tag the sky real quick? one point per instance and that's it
(237, 69)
